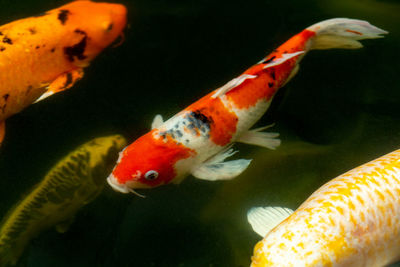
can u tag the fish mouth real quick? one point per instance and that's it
(122, 188)
(113, 182)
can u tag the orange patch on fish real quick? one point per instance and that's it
(250, 91)
(44, 54)
(269, 79)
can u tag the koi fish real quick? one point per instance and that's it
(353, 220)
(197, 140)
(46, 54)
(73, 182)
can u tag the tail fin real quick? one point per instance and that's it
(343, 33)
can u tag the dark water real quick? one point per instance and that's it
(341, 110)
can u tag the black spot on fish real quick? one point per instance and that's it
(3, 107)
(1, 33)
(7, 40)
(37, 47)
(268, 60)
(80, 32)
(270, 85)
(53, 49)
(2, 48)
(32, 30)
(201, 117)
(110, 26)
(198, 123)
(273, 75)
(163, 135)
(63, 15)
(68, 80)
(77, 50)
(179, 133)
(30, 87)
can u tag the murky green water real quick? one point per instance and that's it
(340, 111)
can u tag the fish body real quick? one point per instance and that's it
(353, 220)
(197, 140)
(45, 54)
(73, 182)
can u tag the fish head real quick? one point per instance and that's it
(103, 153)
(148, 162)
(94, 26)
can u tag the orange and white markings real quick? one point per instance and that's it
(208, 127)
(45, 54)
(353, 220)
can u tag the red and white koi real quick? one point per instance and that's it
(197, 140)
(353, 220)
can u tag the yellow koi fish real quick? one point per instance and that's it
(353, 220)
(72, 183)
(45, 54)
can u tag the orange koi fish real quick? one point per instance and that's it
(46, 54)
(197, 140)
(353, 220)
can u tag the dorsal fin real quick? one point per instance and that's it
(232, 84)
(283, 58)
(239, 80)
(263, 220)
(157, 121)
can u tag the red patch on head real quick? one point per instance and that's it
(148, 153)
(223, 121)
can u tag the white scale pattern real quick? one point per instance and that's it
(353, 220)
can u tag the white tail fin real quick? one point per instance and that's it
(343, 33)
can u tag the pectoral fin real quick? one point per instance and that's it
(258, 138)
(62, 82)
(216, 169)
(2, 131)
(263, 220)
(157, 121)
(64, 226)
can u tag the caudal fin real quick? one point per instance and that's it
(343, 33)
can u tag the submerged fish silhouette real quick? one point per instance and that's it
(73, 182)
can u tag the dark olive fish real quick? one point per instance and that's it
(74, 181)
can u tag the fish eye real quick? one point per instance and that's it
(107, 26)
(151, 175)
